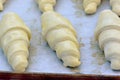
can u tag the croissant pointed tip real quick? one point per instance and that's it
(91, 8)
(20, 63)
(46, 5)
(71, 61)
(115, 64)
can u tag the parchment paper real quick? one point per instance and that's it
(42, 58)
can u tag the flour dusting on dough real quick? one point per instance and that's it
(98, 54)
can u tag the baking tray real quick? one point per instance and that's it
(43, 62)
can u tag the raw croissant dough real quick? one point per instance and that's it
(60, 35)
(14, 40)
(1, 4)
(115, 6)
(108, 35)
(46, 5)
(90, 6)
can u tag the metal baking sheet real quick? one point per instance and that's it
(42, 59)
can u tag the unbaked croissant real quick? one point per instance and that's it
(15, 40)
(108, 35)
(61, 37)
(59, 34)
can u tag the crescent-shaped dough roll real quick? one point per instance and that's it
(61, 37)
(59, 34)
(108, 35)
(15, 40)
